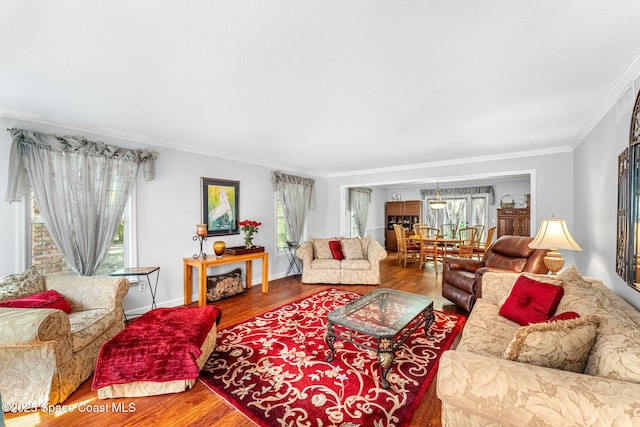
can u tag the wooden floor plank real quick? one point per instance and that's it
(200, 406)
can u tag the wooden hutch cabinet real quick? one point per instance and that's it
(403, 213)
(514, 221)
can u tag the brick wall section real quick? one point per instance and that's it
(45, 255)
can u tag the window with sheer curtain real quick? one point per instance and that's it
(80, 187)
(294, 199)
(47, 257)
(470, 210)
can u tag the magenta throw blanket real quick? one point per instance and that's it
(162, 345)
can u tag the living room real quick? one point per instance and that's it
(575, 178)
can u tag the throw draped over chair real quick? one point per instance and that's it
(448, 230)
(406, 246)
(465, 244)
(481, 247)
(430, 247)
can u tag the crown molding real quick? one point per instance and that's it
(11, 118)
(620, 88)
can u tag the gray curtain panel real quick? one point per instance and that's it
(81, 188)
(297, 198)
(359, 200)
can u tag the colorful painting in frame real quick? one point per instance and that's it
(220, 200)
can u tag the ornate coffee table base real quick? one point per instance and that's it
(386, 346)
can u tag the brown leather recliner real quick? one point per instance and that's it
(462, 279)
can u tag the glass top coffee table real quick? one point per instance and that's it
(380, 321)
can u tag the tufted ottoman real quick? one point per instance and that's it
(160, 352)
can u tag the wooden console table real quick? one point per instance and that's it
(202, 265)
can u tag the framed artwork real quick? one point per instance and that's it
(220, 200)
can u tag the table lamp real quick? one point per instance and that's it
(554, 234)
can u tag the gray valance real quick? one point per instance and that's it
(461, 192)
(24, 140)
(280, 178)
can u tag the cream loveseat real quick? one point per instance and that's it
(322, 263)
(45, 353)
(478, 387)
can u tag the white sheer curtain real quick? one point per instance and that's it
(359, 200)
(81, 188)
(296, 196)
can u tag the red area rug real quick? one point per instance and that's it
(272, 368)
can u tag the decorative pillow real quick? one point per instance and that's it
(567, 315)
(321, 248)
(224, 285)
(564, 344)
(571, 275)
(20, 285)
(48, 299)
(531, 301)
(352, 248)
(336, 249)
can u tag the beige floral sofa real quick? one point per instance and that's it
(45, 353)
(341, 260)
(481, 384)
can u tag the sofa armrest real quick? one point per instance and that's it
(26, 325)
(510, 393)
(375, 253)
(466, 264)
(90, 292)
(305, 253)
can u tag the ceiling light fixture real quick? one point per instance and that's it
(437, 203)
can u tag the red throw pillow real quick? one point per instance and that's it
(48, 299)
(567, 315)
(531, 301)
(336, 249)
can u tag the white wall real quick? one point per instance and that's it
(595, 201)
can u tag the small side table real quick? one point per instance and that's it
(142, 271)
(294, 263)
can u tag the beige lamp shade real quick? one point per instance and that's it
(554, 234)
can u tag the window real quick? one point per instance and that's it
(353, 224)
(45, 255)
(282, 237)
(471, 210)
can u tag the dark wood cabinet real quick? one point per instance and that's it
(404, 213)
(515, 222)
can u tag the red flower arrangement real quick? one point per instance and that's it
(249, 227)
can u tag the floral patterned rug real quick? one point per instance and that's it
(272, 368)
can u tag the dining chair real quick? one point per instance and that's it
(430, 247)
(406, 246)
(466, 241)
(479, 232)
(480, 248)
(448, 230)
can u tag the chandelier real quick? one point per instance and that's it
(437, 203)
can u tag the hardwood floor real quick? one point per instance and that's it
(200, 406)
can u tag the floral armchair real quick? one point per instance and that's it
(46, 353)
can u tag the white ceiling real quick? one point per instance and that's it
(324, 86)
